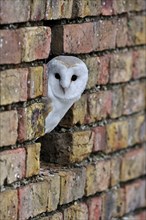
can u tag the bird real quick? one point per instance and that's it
(67, 79)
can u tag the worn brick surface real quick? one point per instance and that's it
(38, 10)
(97, 177)
(8, 127)
(56, 216)
(135, 195)
(33, 199)
(17, 12)
(72, 184)
(133, 164)
(122, 31)
(139, 65)
(94, 208)
(134, 97)
(12, 164)
(36, 43)
(8, 204)
(115, 170)
(32, 159)
(13, 85)
(31, 122)
(35, 82)
(117, 102)
(76, 211)
(99, 138)
(8, 48)
(107, 7)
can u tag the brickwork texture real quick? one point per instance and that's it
(93, 165)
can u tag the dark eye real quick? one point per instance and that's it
(73, 78)
(57, 76)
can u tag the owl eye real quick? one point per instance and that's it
(57, 76)
(73, 78)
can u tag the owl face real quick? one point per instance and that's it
(67, 77)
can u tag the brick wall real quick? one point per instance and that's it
(93, 166)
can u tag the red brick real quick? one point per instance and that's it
(119, 6)
(133, 164)
(38, 10)
(115, 170)
(38, 50)
(13, 85)
(139, 64)
(13, 13)
(135, 195)
(107, 7)
(139, 216)
(136, 5)
(94, 208)
(9, 204)
(99, 138)
(8, 48)
(12, 163)
(33, 199)
(122, 32)
(134, 97)
(103, 74)
(8, 130)
(117, 102)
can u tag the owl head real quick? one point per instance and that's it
(67, 78)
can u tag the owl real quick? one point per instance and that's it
(67, 78)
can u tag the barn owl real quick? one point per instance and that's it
(67, 78)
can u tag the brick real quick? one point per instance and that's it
(13, 85)
(33, 199)
(117, 102)
(99, 138)
(67, 147)
(56, 216)
(139, 65)
(99, 105)
(136, 5)
(115, 171)
(133, 164)
(13, 13)
(117, 135)
(12, 162)
(97, 177)
(77, 114)
(122, 32)
(113, 204)
(119, 6)
(37, 10)
(107, 7)
(76, 211)
(38, 50)
(94, 208)
(8, 130)
(72, 184)
(136, 30)
(35, 82)
(31, 122)
(140, 216)
(121, 67)
(32, 159)
(8, 48)
(134, 97)
(135, 195)
(8, 204)
(103, 74)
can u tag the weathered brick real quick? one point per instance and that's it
(139, 65)
(8, 48)
(103, 74)
(117, 102)
(32, 159)
(35, 82)
(94, 208)
(121, 67)
(13, 85)
(122, 32)
(12, 164)
(133, 164)
(119, 6)
(134, 97)
(117, 135)
(139, 216)
(99, 105)
(72, 184)
(136, 5)
(107, 7)
(113, 204)
(31, 122)
(115, 170)
(38, 50)
(99, 138)
(97, 177)
(8, 128)
(135, 195)
(38, 10)
(8, 204)
(19, 11)
(136, 30)
(33, 199)
(56, 216)
(76, 211)
(67, 147)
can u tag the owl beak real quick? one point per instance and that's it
(63, 89)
